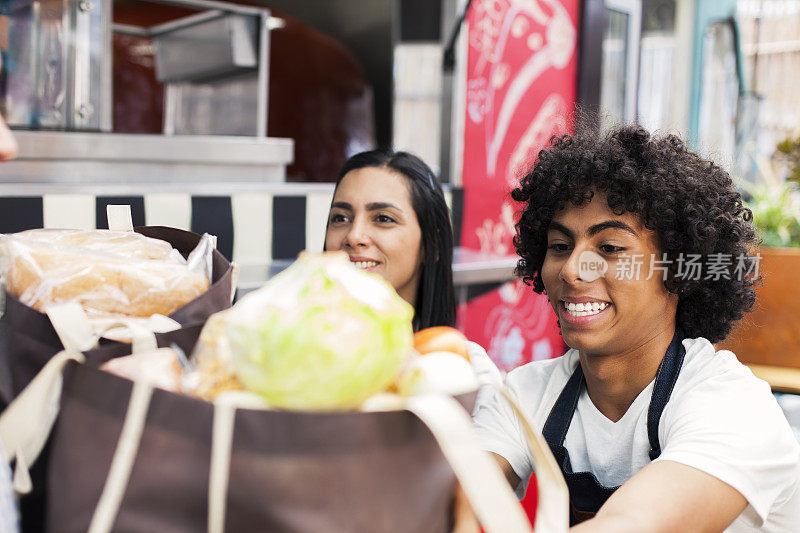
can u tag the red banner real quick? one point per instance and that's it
(521, 84)
(521, 81)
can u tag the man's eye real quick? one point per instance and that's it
(558, 247)
(611, 249)
(384, 219)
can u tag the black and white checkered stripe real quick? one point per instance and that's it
(251, 228)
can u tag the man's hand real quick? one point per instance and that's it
(464, 519)
(668, 496)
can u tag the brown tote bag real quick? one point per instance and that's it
(28, 339)
(126, 457)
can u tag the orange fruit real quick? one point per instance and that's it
(441, 339)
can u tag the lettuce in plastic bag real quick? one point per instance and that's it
(321, 335)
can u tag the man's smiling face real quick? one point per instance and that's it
(603, 315)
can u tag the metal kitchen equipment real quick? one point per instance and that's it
(215, 67)
(58, 66)
(61, 88)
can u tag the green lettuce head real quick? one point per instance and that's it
(321, 335)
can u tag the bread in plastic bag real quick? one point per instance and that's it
(106, 272)
(123, 243)
(212, 371)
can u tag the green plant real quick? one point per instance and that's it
(776, 213)
(790, 149)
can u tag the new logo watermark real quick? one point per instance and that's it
(591, 266)
(714, 267)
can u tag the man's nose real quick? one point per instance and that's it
(570, 270)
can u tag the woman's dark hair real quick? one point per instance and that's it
(435, 303)
(690, 203)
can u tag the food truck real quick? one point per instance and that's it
(230, 136)
(185, 110)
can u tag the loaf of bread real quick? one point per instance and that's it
(213, 371)
(106, 272)
(126, 244)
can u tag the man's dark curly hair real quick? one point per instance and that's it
(690, 203)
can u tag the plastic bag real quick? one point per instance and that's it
(212, 371)
(107, 272)
(321, 335)
(127, 244)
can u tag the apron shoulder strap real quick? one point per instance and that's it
(666, 377)
(560, 417)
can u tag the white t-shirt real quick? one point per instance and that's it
(720, 419)
(485, 369)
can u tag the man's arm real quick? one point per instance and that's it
(668, 496)
(505, 466)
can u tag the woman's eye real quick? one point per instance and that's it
(338, 218)
(611, 249)
(558, 247)
(384, 219)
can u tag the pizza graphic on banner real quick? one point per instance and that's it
(520, 90)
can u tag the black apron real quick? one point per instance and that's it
(586, 493)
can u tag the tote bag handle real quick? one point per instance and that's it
(225, 406)
(26, 423)
(552, 508)
(124, 456)
(481, 479)
(484, 484)
(495, 503)
(119, 472)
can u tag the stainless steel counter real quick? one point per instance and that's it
(103, 163)
(470, 267)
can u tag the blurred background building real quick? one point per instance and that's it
(770, 44)
(234, 117)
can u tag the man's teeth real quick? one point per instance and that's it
(364, 264)
(587, 309)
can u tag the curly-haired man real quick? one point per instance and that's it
(644, 251)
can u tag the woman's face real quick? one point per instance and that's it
(621, 309)
(373, 220)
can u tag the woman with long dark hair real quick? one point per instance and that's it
(390, 216)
